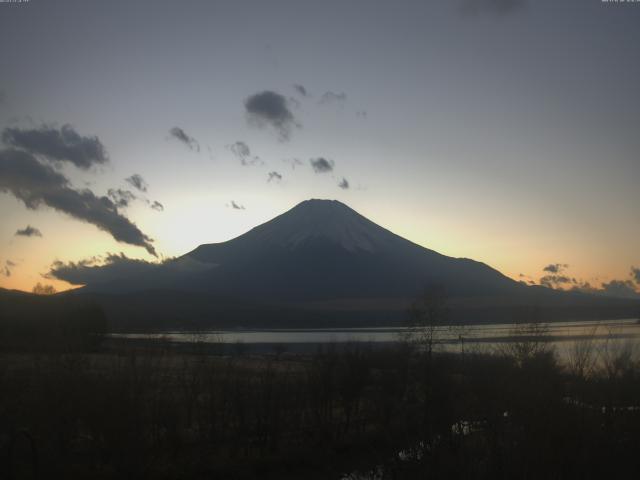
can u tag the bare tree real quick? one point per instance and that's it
(581, 360)
(529, 340)
(428, 314)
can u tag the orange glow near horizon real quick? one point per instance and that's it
(176, 234)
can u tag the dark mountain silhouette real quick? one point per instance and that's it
(318, 250)
(323, 264)
(323, 250)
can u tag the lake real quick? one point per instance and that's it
(604, 333)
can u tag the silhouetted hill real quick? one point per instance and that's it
(49, 322)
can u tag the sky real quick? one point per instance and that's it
(506, 131)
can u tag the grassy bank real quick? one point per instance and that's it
(149, 411)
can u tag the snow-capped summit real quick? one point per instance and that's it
(330, 221)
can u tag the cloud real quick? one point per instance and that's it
(137, 181)
(98, 270)
(271, 108)
(321, 165)
(362, 114)
(301, 90)
(182, 136)
(243, 153)
(620, 288)
(293, 162)
(332, 97)
(558, 280)
(36, 184)
(344, 184)
(117, 267)
(156, 205)
(500, 7)
(121, 198)
(236, 206)
(555, 267)
(6, 268)
(554, 281)
(58, 145)
(275, 176)
(29, 231)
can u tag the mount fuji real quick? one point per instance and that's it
(323, 263)
(322, 249)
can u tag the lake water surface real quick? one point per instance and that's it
(452, 338)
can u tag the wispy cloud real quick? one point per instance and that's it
(274, 176)
(302, 91)
(179, 134)
(156, 205)
(121, 198)
(137, 182)
(5, 269)
(37, 184)
(328, 98)
(243, 153)
(28, 231)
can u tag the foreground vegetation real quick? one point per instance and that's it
(85, 411)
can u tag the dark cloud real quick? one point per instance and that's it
(118, 267)
(275, 176)
(620, 288)
(5, 269)
(635, 273)
(615, 288)
(243, 153)
(271, 108)
(344, 184)
(188, 140)
(555, 267)
(97, 270)
(58, 145)
(301, 90)
(321, 165)
(36, 184)
(137, 181)
(156, 205)
(121, 198)
(236, 206)
(555, 281)
(500, 7)
(29, 231)
(362, 114)
(332, 97)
